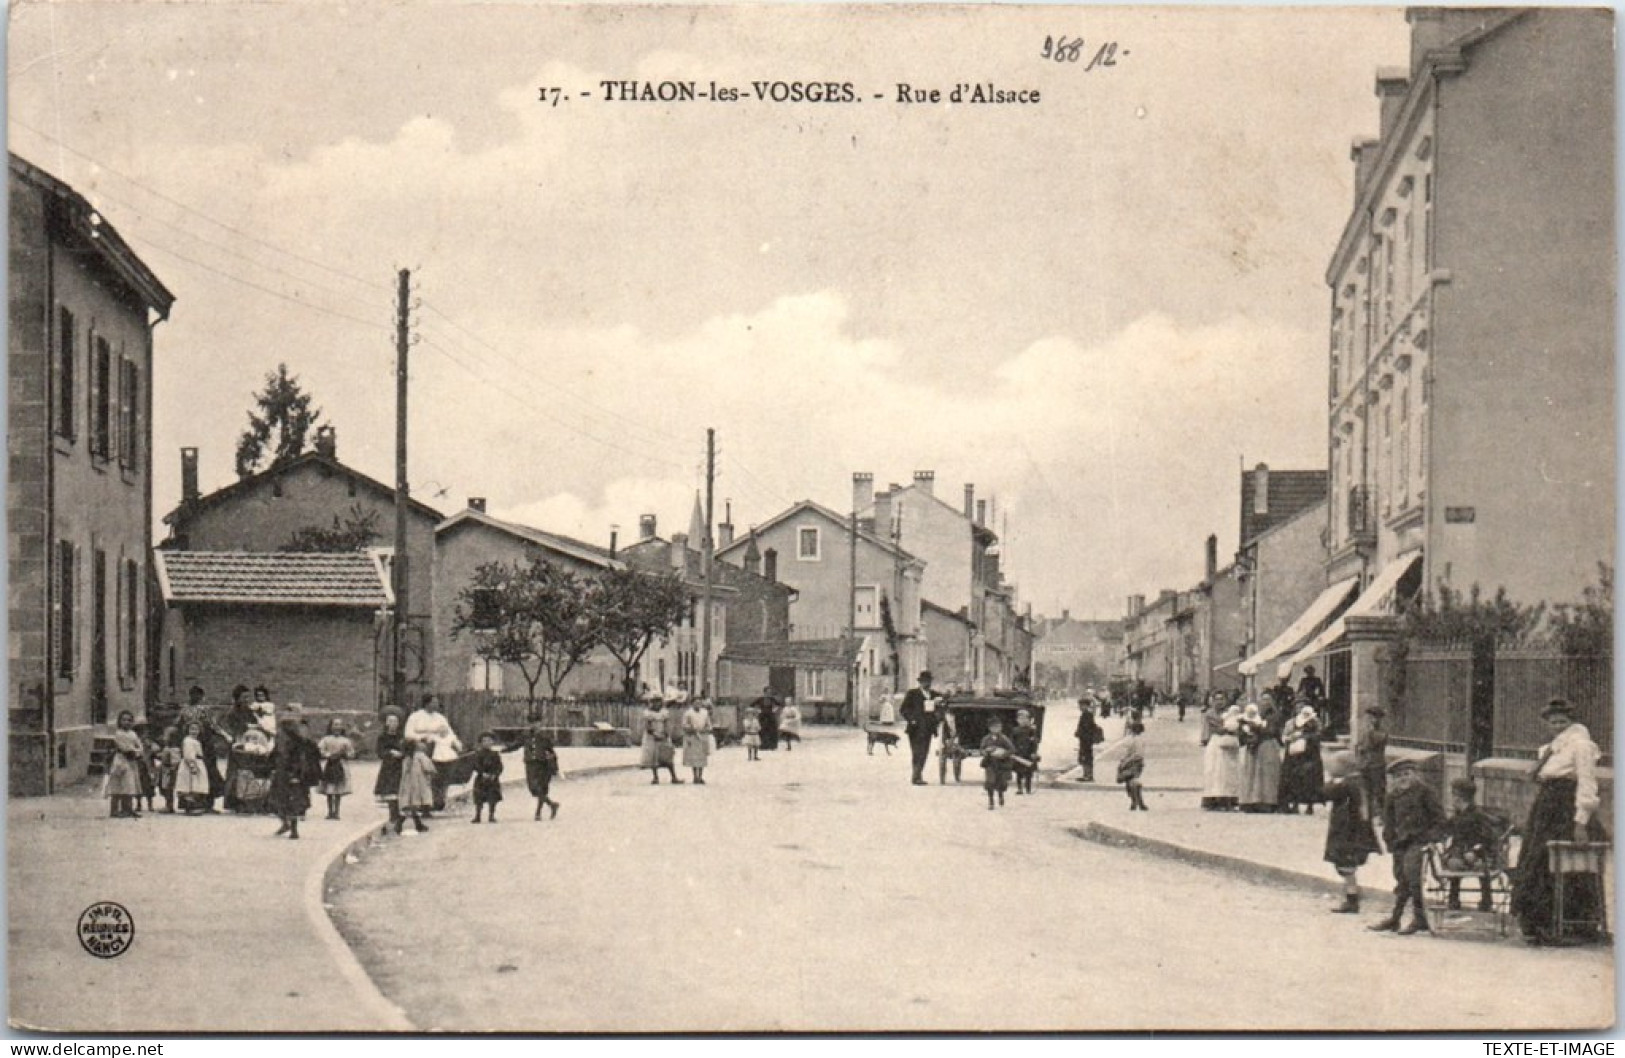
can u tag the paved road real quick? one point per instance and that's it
(818, 890)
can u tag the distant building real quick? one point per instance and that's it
(82, 308)
(1071, 654)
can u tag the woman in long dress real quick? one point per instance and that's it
(1302, 774)
(123, 769)
(1227, 780)
(655, 751)
(1212, 749)
(386, 788)
(1261, 756)
(697, 739)
(1565, 809)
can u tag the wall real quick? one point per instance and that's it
(1289, 573)
(947, 651)
(1523, 424)
(322, 658)
(941, 537)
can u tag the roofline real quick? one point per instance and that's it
(1317, 505)
(828, 515)
(977, 528)
(166, 590)
(564, 544)
(220, 495)
(125, 261)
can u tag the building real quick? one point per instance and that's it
(1149, 649)
(813, 550)
(1071, 654)
(262, 513)
(83, 308)
(1471, 371)
(303, 624)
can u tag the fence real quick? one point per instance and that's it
(471, 712)
(1434, 707)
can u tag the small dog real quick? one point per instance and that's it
(887, 739)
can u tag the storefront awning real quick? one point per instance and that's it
(1325, 605)
(1377, 599)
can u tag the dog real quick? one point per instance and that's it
(886, 739)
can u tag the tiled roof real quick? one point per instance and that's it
(353, 578)
(795, 653)
(591, 554)
(1291, 492)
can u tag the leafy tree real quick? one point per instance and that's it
(355, 530)
(1586, 629)
(539, 617)
(281, 427)
(635, 609)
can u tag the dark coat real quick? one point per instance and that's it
(1411, 816)
(915, 716)
(294, 766)
(487, 777)
(1350, 838)
(1088, 732)
(388, 783)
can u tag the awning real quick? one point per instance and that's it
(1378, 598)
(1324, 606)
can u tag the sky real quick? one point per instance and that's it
(1096, 308)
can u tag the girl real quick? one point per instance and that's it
(1350, 837)
(417, 786)
(169, 762)
(789, 725)
(1132, 766)
(192, 788)
(541, 764)
(656, 751)
(487, 776)
(697, 739)
(753, 735)
(124, 769)
(290, 793)
(336, 750)
(391, 755)
(997, 750)
(264, 710)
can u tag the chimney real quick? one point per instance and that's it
(189, 493)
(1364, 152)
(753, 555)
(678, 552)
(725, 531)
(970, 501)
(327, 443)
(981, 512)
(1392, 88)
(1212, 557)
(1261, 489)
(646, 527)
(476, 503)
(926, 481)
(614, 539)
(883, 515)
(863, 486)
(770, 565)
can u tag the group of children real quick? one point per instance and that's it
(541, 765)
(1004, 756)
(407, 774)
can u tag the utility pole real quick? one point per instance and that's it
(403, 342)
(707, 551)
(852, 614)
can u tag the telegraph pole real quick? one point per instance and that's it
(707, 551)
(398, 568)
(852, 613)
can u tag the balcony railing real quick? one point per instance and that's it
(1362, 517)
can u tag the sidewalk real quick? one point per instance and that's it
(231, 932)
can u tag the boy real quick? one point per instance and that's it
(1025, 741)
(541, 764)
(487, 776)
(996, 751)
(1472, 839)
(1411, 817)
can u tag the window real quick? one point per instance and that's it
(866, 609)
(129, 390)
(484, 675)
(815, 683)
(807, 543)
(484, 610)
(67, 578)
(65, 338)
(101, 399)
(132, 617)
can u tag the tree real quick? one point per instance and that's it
(354, 531)
(282, 425)
(539, 617)
(636, 608)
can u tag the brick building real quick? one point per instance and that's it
(79, 486)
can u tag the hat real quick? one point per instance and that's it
(1557, 707)
(1466, 787)
(1376, 710)
(1341, 765)
(1400, 765)
(926, 675)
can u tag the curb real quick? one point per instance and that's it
(323, 878)
(1249, 870)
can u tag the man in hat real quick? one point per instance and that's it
(1411, 817)
(1371, 752)
(921, 715)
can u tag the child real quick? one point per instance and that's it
(1132, 766)
(1350, 839)
(1472, 841)
(487, 776)
(1025, 740)
(192, 777)
(997, 750)
(169, 762)
(953, 750)
(790, 725)
(541, 764)
(416, 795)
(752, 725)
(1411, 816)
(149, 770)
(124, 769)
(336, 749)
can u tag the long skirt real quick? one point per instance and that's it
(1261, 774)
(1221, 767)
(1302, 777)
(696, 750)
(655, 753)
(1552, 819)
(123, 777)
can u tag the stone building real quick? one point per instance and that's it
(83, 308)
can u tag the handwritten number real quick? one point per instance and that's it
(1062, 49)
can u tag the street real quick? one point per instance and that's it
(817, 890)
